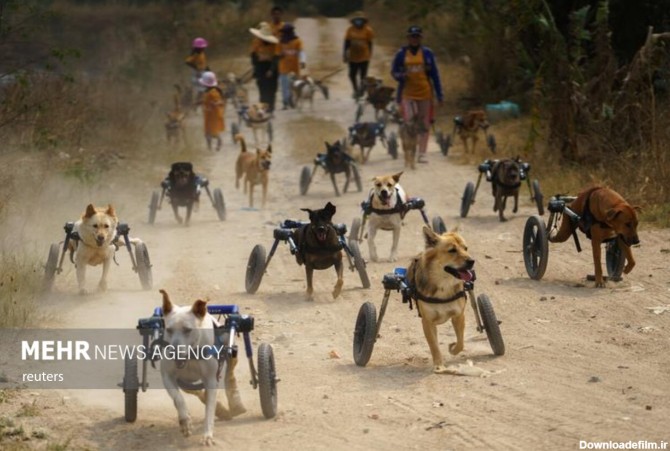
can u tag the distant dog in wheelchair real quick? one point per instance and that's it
(257, 117)
(174, 124)
(469, 125)
(409, 134)
(303, 89)
(338, 161)
(506, 178)
(365, 135)
(379, 96)
(182, 187)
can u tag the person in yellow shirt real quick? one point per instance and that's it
(358, 51)
(197, 60)
(264, 59)
(213, 105)
(291, 60)
(275, 22)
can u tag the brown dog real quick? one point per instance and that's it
(604, 215)
(437, 275)
(174, 125)
(505, 182)
(409, 132)
(468, 127)
(254, 167)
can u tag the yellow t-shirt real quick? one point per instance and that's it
(290, 57)
(264, 51)
(417, 86)
(213, 106)
(197, 61)
(359, 43)
(276, 28)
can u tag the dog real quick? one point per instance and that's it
(96, 243)
(365, 134)
(193, 328)
(469, 125)
(338, 161)
(604, 215)
(254, 168)
(379, 95)
(303, 89)
(437, 275)
(258, 117)
(234, 90)
(183, 189)
(174, 124)
(387, 199)
(505, 182)
(409, 133)
(319, 247)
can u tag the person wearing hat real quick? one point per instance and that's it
(197, 60)
(213, 105)
(358, 50)
(415, 69)
(264, 59)
(291, 60)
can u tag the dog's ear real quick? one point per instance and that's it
(269, 149)
(455, 229)
(199, 308)
(309, 211)
(330, 209)
(90, 211)
(167, 304)
(396, 177)
(110, 210)
(431, 238)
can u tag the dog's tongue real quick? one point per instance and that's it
(466, 275)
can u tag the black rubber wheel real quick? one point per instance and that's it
(438, 225)
(393, 145)
(51, 266)
(219, 204)
(267, 380)
(535, 247)
(255, 269)
(357, 178)
(490, 323)
(355, 231)
(615, 260)
(131, 386)
(153, 207)
(359, 263)
(365, 333)
(447, 145)
(491, 143)
(467, 199)
(143, 266)
(538, 197)
(305, 179)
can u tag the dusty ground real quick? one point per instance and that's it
(581, 363)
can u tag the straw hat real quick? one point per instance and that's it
(359, 15)
(208, 79)
(264, 33)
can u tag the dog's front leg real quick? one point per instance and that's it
(251, 194)
(339, 269)
(372, 232)
(459, 327)
(501, 208)
(337, 191)
(81, 273)
(309, 274)
(430, 331)
(516, 201)
(102, 285)
(189, 210)
(175, 209)
(595, 246)
(347, 179)
(232, 393)
(179, 403)
(265, 192)
(630, 261)
(396, 240)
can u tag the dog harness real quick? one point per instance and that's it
(415, 295)
(496, 182)
(306, 249)
(399, 207)
(587, 219)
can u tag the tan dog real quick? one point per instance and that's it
(192, 328)
(605, 215)
(468, 128)
(387, 199)
(409, 133)
(258, 117)
(254, 167)
(437, 275)
(174, 125)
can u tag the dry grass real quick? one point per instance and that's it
(20, 285)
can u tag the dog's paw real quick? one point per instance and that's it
(338, 289)
(207, 440)
(628, 268)
(503, 219)
(393, 258)
(179, 219)
(440, 369)
(102, 286)
(185, 426)
(601, 284)
(455, 348)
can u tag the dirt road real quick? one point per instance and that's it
(581, 363)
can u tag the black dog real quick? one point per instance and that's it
(365, 134)
(319, 247)
(505, 181)
(182, 186)
(337, 161)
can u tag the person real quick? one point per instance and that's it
(197, 60)
(264, 59)
(358, 51)
(275, 21)
(213, 105)
(291, 60)
(415, 69)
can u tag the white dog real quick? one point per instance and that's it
(387, 199)
(193, 327)
(303, 88)
(258, 117)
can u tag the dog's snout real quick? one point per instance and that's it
(384, 194)
(634, 240)
(469, 263)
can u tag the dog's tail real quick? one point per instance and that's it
(243, 144)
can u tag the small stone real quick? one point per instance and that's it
(543, 298)
(366, 430)
(333, 354)
(594, 379)
(325, 397)
(373, 416)
(647, 407)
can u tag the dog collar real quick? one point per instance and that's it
(432, 300)
(399, 206)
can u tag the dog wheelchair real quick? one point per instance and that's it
(332, 163)
(368, 324)
(264, 377)
(258, 262)
(485, 170)
(243, 117)
(413, 203)
(536, 241)
(365, 135)
(182, 187)
(140, 259)
(445, 141)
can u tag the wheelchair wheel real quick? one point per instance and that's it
(355, 231)
(467, 199)
(305, 179)
(365, 333)
(153, 207)
(359, 263)
(51, 267)
(143, 266)
(538, 197)
(234, 130)
(491, 143)
(219, 204)
(131, 385)
(267, 380)
(357, 178)
(615, 260)
(535, 247)
(438, 225)
(255, 269)
(270, 132)
(491, 325)
(393, 145)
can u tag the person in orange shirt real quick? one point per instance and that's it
(415, 69)
(264, 59)
(358, 51)
(276, 23)
(291, 60)
(197, 60)
(213, 105)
